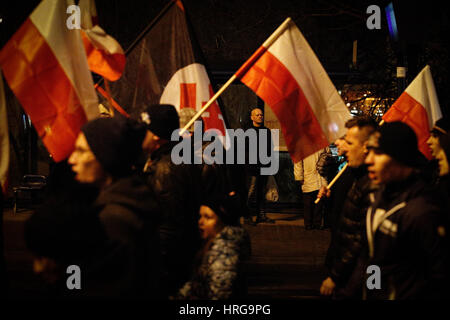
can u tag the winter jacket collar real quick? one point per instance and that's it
(389, 200)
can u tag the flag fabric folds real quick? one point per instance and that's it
(288, 76)
(105, 55)
(45, 66)
(4, 140)
(163, 67)
(418, 107)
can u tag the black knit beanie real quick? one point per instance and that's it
(442, 126)
(161, 119)
(399, 141)
(116, 143)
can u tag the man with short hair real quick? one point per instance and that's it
(178, 190)
(257, 182)
(405, 235)
(347, 233)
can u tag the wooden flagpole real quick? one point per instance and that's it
(333, 181)
(108, 91)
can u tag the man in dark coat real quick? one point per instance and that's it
(256, 181)
(347, 234)
(404, 227)
(439, 143)
(112, 240)
(177, 188)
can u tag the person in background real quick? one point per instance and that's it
(256, 182)
(306, 172)
(218, 272)
(439, 143)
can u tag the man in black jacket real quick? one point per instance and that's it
(346, 242)
(256, 181)
(112, 239)
(177, 188)
(404, 227)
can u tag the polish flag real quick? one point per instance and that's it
(105, 55)
(166, 67)
(45, 66)
(288, 76)
(4, 140)
(418, 107)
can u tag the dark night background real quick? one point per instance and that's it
(228, 32)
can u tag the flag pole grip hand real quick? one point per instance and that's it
(333, 181)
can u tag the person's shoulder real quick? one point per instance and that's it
(423, 208)
(131, 193)
(233, 236)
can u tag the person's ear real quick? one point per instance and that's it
(366, 151)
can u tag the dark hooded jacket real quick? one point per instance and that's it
(130, 263)
(176, 188)
(406, 242)
(109, 234)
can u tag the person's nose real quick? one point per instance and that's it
(72, 158)
(369, 158)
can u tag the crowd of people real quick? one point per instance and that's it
(391, 215)
(139, 226)
(136, 224)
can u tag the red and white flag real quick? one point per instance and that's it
(45, 66)
(4, 140)
(105, 55)
(288, 76)
(164, 67)
(418, 107)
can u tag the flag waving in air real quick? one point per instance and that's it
(288, 76)
(105, 55)
(45, 66)
(163, 67)
(418, 107)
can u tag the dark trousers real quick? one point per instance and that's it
(312, 211)
(256, 193)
